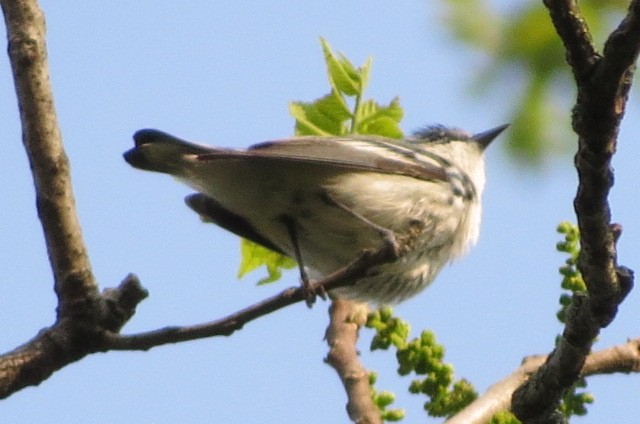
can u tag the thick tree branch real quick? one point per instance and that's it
(82, 313)
(621, 48)
(342, 336)
(624, 358)
(599, 109)
(603, 85)
(69, 339)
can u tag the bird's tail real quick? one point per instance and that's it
(160, 152)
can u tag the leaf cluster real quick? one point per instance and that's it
(422, 356)
(344, 110)
(573, 402)
(571, 277)
(383, 400)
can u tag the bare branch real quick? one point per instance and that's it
(82, 313)
(624, 358)
(621, 48)
(78, 298)
(226, 326)
(220, 327)
(599, 109)
(74, 279)
(69, 340)
(342, 335)
(573, 30)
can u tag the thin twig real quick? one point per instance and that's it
(227, 325)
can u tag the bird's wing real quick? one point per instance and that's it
(373, 154)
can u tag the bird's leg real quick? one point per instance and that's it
(310, 294)
(389, 238)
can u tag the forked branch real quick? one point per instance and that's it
(603, 83)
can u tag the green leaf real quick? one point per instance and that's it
(365, 71)
(380, 120)
(472, 22)
(393, 415)
(325, 116)
(342, 73)
(255, 256)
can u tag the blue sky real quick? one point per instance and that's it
(223, 73)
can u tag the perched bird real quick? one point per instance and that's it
(324, 200)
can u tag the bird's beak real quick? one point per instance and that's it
(485, 138)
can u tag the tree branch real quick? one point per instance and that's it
(228, 325)
(603, 86)
(220, 327)
(599, 109)
(82, 312)
(342, 336)
(69, 339)
(41, 137)
(624, 358)
(574, 32)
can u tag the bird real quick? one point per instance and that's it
(323, 200)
